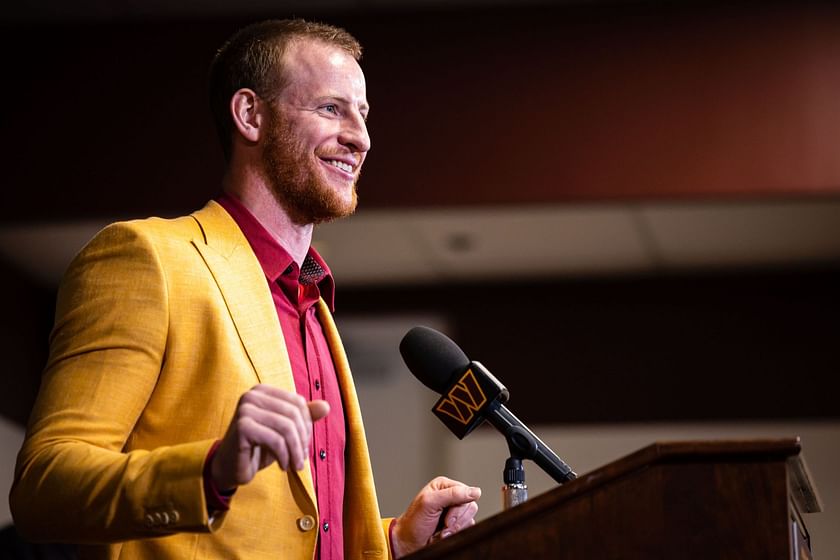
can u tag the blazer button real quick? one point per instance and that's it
(306, 523)
(149, 520)
(174, 516)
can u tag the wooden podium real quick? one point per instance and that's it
(682, 500)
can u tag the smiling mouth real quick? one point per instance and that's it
(341, 165)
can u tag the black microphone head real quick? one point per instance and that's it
(432, 357)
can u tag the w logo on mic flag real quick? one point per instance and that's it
(463, 399)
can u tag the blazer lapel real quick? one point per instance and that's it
(363, 531)
(243, 286)
(342, 369)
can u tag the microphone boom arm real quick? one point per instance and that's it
(525, 444)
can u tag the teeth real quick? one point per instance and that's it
(343, 166)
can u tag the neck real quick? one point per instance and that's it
(253, 192)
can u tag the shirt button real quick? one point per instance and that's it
(306, 523)
(322, 454)
(317, 385)
(326, 526)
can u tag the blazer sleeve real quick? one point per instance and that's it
(75, 480)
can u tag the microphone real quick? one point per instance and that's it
(471, 395)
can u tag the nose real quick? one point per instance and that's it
(354, 133)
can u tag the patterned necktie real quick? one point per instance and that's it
(311, 272)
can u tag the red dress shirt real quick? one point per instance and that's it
(294, 293)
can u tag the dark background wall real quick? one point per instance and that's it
(754, 345)
(500, 105)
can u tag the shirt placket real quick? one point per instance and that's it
(320, 439)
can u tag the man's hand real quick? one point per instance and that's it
(270, 425)
(417, 527)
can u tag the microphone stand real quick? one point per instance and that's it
(523, 444)
(514, 491)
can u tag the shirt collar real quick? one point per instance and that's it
(273, 258)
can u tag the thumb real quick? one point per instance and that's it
(454, 495)
(318, 409)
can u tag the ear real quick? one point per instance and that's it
(247, 114)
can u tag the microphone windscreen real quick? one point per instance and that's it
(432, 357)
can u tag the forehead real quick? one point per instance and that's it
(318, 68)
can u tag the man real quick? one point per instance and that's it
(197, 402)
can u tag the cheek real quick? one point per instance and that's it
(314, 136)
(323, 132)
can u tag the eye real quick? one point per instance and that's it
(331, 108)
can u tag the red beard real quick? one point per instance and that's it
(295, 181)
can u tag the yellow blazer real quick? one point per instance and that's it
(160, 326)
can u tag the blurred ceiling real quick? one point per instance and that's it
(433, 246)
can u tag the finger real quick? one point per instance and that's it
(438, 535)
(455, 495)
(446, 501)
(275, 394)
(286, 432)
(318, 409)
(280, 415)
(265, 443)
(281, 403)
(274, 391)
(459, 517)
(443, 483)
(268, 395)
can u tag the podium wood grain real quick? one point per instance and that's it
(687, 500)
